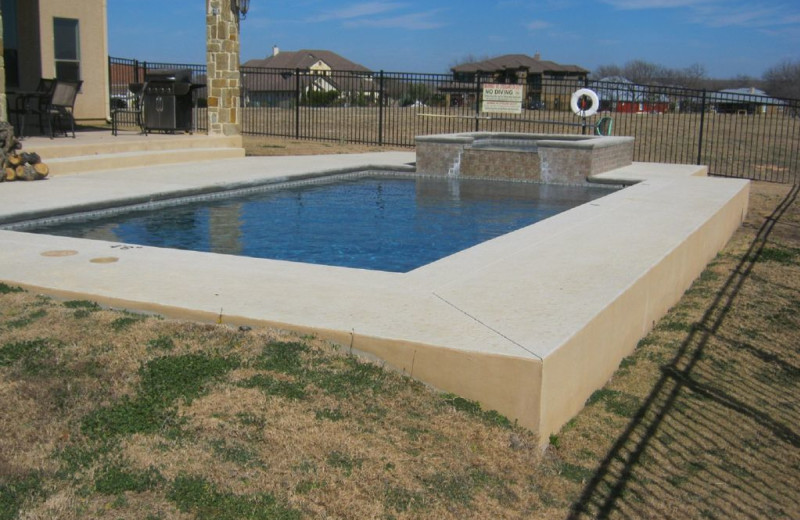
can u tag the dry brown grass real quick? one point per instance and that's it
(275, 146)
(353, 441)
(700, 421)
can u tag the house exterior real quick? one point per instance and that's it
(530, 71)
(750, 101)
(58, 39)
(316, 77)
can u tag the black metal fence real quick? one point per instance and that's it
(737, 134)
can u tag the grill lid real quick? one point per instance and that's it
(170, 75)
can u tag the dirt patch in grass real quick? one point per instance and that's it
(273, 146)
(110, 414)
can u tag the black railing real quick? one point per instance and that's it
(737, 134)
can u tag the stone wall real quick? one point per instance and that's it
(607, 158)
(222, 59)
(554, 159)
(501, 164)
(437, 157)
(574, 163)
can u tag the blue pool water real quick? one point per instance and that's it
(385, 223)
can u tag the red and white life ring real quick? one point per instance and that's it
(584, 102)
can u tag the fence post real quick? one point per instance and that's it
(477, 100)
(702, 125)
(380, 109)
(297, 103)
(110, 83)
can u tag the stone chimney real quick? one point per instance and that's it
(275, 50)
(537, 56)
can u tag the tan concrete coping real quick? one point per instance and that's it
(529, 324)
(545, 139)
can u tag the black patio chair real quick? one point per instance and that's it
(137, 110)
(33, 104)
(61, 107)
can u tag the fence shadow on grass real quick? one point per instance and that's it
(718, 435)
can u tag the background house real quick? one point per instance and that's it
(58, 39)
(530, 71)
(745, 101)
(618, 94)
(319, 77)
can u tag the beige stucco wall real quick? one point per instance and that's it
(92, 102)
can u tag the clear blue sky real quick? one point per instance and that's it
(727, 37)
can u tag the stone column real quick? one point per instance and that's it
(222, 60)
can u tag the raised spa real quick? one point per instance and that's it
(548, 158)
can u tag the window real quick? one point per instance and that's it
(10, 42)
(67, 49)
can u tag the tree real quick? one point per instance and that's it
(646, 73)
(468, 58)
(607, 71)
(640, 71)
(693, 76)
(637, 71)
(783, 80)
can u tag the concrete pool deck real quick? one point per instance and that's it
(529, 324)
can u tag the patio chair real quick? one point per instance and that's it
(137, 110)
(61, 107)
(33, 104)
(604, 126)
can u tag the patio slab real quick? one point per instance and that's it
(529, 324)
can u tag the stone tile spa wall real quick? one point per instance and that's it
(550, 158)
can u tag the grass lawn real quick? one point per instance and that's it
(111, 414)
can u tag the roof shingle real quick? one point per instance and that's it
(304, 59)
(518, 62)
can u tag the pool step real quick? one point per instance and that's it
(110, 161)
(93, 151)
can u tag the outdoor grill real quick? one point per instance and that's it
(167, 100)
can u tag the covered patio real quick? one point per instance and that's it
(51, 40)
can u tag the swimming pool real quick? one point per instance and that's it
(386, 222)
(530, 323)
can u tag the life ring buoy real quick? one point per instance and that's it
(578, 103)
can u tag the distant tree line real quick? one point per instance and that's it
(644, 72)
(781, 80)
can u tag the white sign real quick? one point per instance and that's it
(504, 99)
